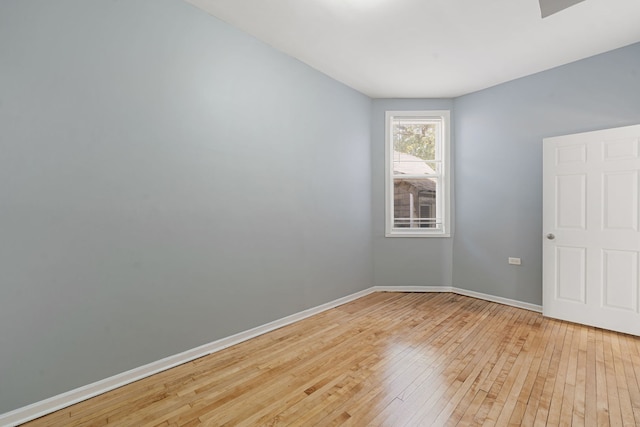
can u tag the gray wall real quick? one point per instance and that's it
(498, 163)
(405, 261)
(165, 180)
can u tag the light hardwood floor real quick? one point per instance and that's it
(393, 359)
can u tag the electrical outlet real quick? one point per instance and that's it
(514, 261)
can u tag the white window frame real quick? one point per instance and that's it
(444, 177)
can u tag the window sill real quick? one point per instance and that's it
(396, 234)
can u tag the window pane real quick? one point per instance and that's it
(414, 203)
(416, 138)
(406, 164)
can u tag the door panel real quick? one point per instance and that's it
(571, 274)
(571, 201)
(620, 278)
(591, 222)
(571, 154)
(621, 149)
(620, 200)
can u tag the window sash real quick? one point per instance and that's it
(414, 206)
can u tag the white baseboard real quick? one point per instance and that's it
(412, 289)
(55, 403)
(499, 300)
(459, 291)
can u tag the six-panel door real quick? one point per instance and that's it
(591, 235)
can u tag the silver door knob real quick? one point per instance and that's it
(550, 236)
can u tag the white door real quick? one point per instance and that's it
(591, 244)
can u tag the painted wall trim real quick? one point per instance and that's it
(55, 403)
(412, 289)
(499, 300)
(459, 291)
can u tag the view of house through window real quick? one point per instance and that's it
(417, 199)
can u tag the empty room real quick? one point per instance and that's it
(319, 212)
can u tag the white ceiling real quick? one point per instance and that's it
(431, 48)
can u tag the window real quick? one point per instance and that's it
(417, 174)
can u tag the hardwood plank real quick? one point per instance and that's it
(535, 394)
(580, 392)
(615, 413)
(524, 397)
(392, 359)
(557, 399)
(544, 405)
(632, 368)
(512, 375)
(591, 400)
(507, 350)
(621, 379)
(566, 412)
(602, 394)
